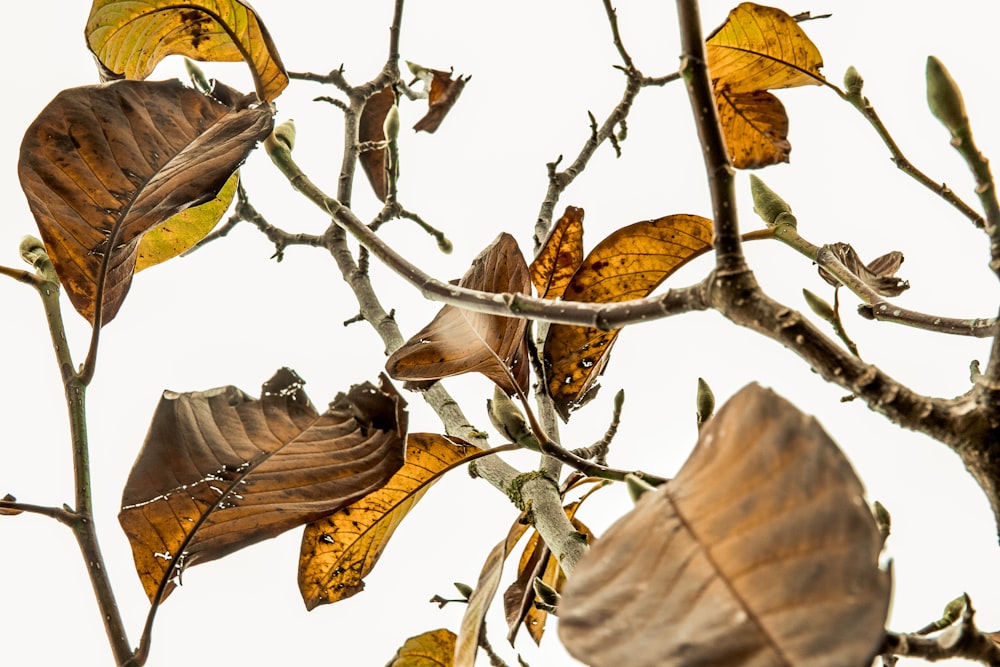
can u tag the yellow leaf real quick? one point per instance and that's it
(181, 232)
(431, 649)
(130, 38)
(339, 551)
(758, 49)
(560, 256)
(628, 264)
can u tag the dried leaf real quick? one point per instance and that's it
(441, 97)
(4, 511)
(879, 274)
(536, 561)
(560, 255)
(431, 649)
(130, 38)
(340, 550)
(220, 470)
(628, 264)
(184, 230)
(758, 49)
(761, 551)
(459, 341)
(102, 165)
(482, 596)
(370, 129)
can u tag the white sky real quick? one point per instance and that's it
(229, 315)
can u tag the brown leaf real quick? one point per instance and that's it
(340, 550)
(459, 341)
(441, 97)
(482, 596)
(879, 274)
(536, 561)
(628, 264)
(370, 129)
(560, 256)
(758, 49)
(761, 551)
(220, 470)
(430, 649)
(130, 38)
(102, 165)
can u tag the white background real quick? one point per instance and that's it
(230, 315)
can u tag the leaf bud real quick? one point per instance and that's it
(465, 590)
(507, 417)
(772, 209)
(944, 98)
(198, 77)
(31, 249)
(853, 82)
(704, 401)
(637, 486)
(819, 306)
(282, 136)
(390, 126)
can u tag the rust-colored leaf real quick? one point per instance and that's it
(220, 470)
(102, 165)
(758, 49)
(340, 550)
(489, 579)
(442, 94)
(560, 256)
(536, 561)
(628, 264)
(435, 648)
(370, 129)
(761, 551)
(460, 341)
(130, 38)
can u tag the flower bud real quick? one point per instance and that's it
(853, 83)
(507, 417)
(705, 402)
(944, 97)
(768, 205)
(390, 126)
(819, 306)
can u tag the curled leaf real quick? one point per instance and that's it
(879, 274)
(340, 550)
(103, 165)
(760, 551)
(371, 131)
(220, 470)
(130, 38)
(442, 93)
(628, 264)
(459, 341)
(758, 49)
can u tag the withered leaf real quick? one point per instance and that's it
(220, 470)
(560, 255)
(628, 264)
(441, 97)
(879, 274)
(102, 165)
(482, 596)
(761, 551)
(459, 341)
(435, 648)
(536, 561)
(130, 38)
(370, 130)
(340, 550)
(758, 49)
